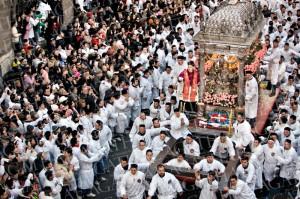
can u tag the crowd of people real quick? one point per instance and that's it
(126, 68)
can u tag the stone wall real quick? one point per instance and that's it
(6, 53)
(68, 11)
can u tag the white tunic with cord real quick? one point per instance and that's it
(242, 134)
(86, 171)
(248, 175)
(208, 191)
(203, 165)
(118, 175)
(167, 186)
(177, 130)
(192, 148)
(288, 160)
(251, 98)
(242, 191)
(270, 161)
(133, 186)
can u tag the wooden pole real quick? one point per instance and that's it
(241, 86)
(201, 74)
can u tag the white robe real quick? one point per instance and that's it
(118, 174)
(105, 135)
(175, 163)
(137, 122)
(191, 149)
(258, 171)
(242, 134)
(137, 137)
(154, 112)
(248, 175)
(86, 122)
(164, 115)
(135, 94)
(157, 144)
(287, 160)
(223, 149)
(251, 98)
(121, 107)
(257, 159)
(137, 155)
(167, 187)
(242, 191)
(133, 185)
(166, 80)
(208, 191)
(112, 116)
(147, 86)
(270, 161)
(203, 165)
(273, 60)
(178, 131)
(86, 171)
(56, 187)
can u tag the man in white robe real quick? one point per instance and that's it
(147, 86)
(86, 171)
(122, 104)
(119, 172)
(273, 60)
(56, 184)
(270, 151)
(145, 163)
(166, 79)
(287, 160)
(133, 183)
(246, 172)
(166, 112)
(242, 136)
(251, 98)
(208, 186)
(223, 147)
(142, 119)
(257, 159)
(179, 162)
(135, 92)
(141, 135)
(139, 153)
(159, 142)
(165, 184)
(210, 164)
(179, 125)
(191, 146)
(238, 189)
(155, 109)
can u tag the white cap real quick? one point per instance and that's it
(62, 99)
(54, 107)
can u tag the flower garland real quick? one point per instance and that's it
(220, 99)
(259, 55)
